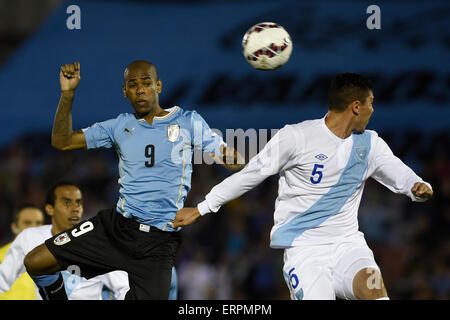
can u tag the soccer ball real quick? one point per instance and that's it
(267, 46)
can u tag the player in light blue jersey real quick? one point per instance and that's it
(155, 148)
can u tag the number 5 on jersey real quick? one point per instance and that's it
(316, 175)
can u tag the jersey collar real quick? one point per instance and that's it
(171, 111)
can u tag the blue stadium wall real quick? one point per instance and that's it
(197, 50)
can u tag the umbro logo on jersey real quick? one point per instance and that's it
(321, 157)
(130, 132)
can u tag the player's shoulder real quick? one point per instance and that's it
(125, 116)
(372, 134)
(34, 232)
(378, 144)
(123, 120)
(188, 116)
(113, 122)
(307, 124)
(121, 116)
(303, 127)
(186, 113)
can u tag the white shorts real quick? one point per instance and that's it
(324, 272)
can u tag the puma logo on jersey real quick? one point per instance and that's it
(130, 132)
(321, 157)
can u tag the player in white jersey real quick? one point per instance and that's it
(64, 204)
(323, 165)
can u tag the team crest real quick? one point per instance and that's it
(63, 238)
(173, 132)
(361, 152)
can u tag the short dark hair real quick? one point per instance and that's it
(51, 196)
(18, 209)
(346, 88)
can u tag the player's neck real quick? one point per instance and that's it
(55, 230)
(156, 112)
(339, 124)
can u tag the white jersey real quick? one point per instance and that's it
(77, 288)
(321, 181)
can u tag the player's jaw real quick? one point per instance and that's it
(142, 106)
(366, 112)
(361, 126)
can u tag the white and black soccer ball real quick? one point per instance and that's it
(267, 46)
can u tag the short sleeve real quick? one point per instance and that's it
(100, 134)
(203, 137)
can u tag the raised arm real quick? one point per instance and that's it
(63, 137)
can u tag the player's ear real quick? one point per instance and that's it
(49, 209)
(355, 107)
(124, 88)
(159, 86)
(14, 228)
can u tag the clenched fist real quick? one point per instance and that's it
(421, 190)
(69, 76)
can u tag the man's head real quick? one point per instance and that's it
(352, 93)
(142, 86)
(64, 203)
(26, 216)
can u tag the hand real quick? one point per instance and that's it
(231, 159)
(69, 76)
(421, 190)
(185, 217)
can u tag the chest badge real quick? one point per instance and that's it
(361, 152)
(173, 132)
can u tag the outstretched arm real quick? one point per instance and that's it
(279, 154)
(63, 137)
(391, 172)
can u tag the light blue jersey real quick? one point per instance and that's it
(155, 161)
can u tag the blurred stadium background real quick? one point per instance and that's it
(196, 47)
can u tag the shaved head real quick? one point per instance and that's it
(140, 66)
(141, 86)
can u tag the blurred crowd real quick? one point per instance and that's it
(226, 255)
